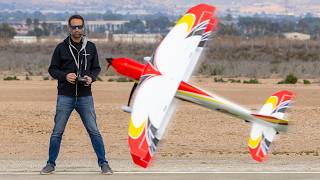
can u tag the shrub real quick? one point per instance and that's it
(10, 78)
(290, 79)
(234, 80)
(27, 77)
(46, 78)
(110, 79)
(119, 79)
(219, 80)
(305, 81)
(251, 81)
(123, 79)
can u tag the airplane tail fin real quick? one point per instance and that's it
(277, 104)
(262, 135)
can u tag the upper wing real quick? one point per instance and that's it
(179, 52)
(150, 108)
(153, 104)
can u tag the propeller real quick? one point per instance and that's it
(109, 61)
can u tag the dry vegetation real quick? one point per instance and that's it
(225, 56)
(262, 57)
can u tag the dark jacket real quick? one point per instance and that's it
(63, 62)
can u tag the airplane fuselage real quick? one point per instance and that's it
(188, 92)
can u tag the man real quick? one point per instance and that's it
(75, 64)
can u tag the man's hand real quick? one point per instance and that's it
(89, 80)
(71, 78)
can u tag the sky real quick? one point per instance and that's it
(309, 5)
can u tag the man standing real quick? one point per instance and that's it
(75, 65)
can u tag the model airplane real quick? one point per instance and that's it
(163, 79)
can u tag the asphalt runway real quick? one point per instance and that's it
(159, 176)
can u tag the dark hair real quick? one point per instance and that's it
(76, 16)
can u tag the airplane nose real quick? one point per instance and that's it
(126, 67)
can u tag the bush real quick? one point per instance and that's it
(111, 80)
(10, 78)
(27, 77)
(219, 80)
(46, 78)
(305, 81)
(290, 79)
(123, 79)
(119, 79)
(234, 80)
(251, 81)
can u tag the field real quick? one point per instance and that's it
(197, 138)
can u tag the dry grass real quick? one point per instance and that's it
(226, 56)
(261, 57)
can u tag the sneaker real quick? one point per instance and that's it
(105, 169)
(48, 169)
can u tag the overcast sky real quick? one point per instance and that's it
(312, 5)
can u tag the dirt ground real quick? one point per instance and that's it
(27, 109)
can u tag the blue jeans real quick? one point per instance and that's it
(85, 107)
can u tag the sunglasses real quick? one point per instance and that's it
(77, 26)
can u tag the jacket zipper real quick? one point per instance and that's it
(78, 68)
(77, 72)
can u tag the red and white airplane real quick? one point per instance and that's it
(163, 80)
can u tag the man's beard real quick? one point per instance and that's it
(77, 35)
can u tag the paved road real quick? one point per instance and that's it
(166, 169)
(160, 176)
(219, 165)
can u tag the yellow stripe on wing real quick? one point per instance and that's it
(272, 119)
(188, 19)
(273, 100)
(253, 143)
(197, 96)
(135, 132)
